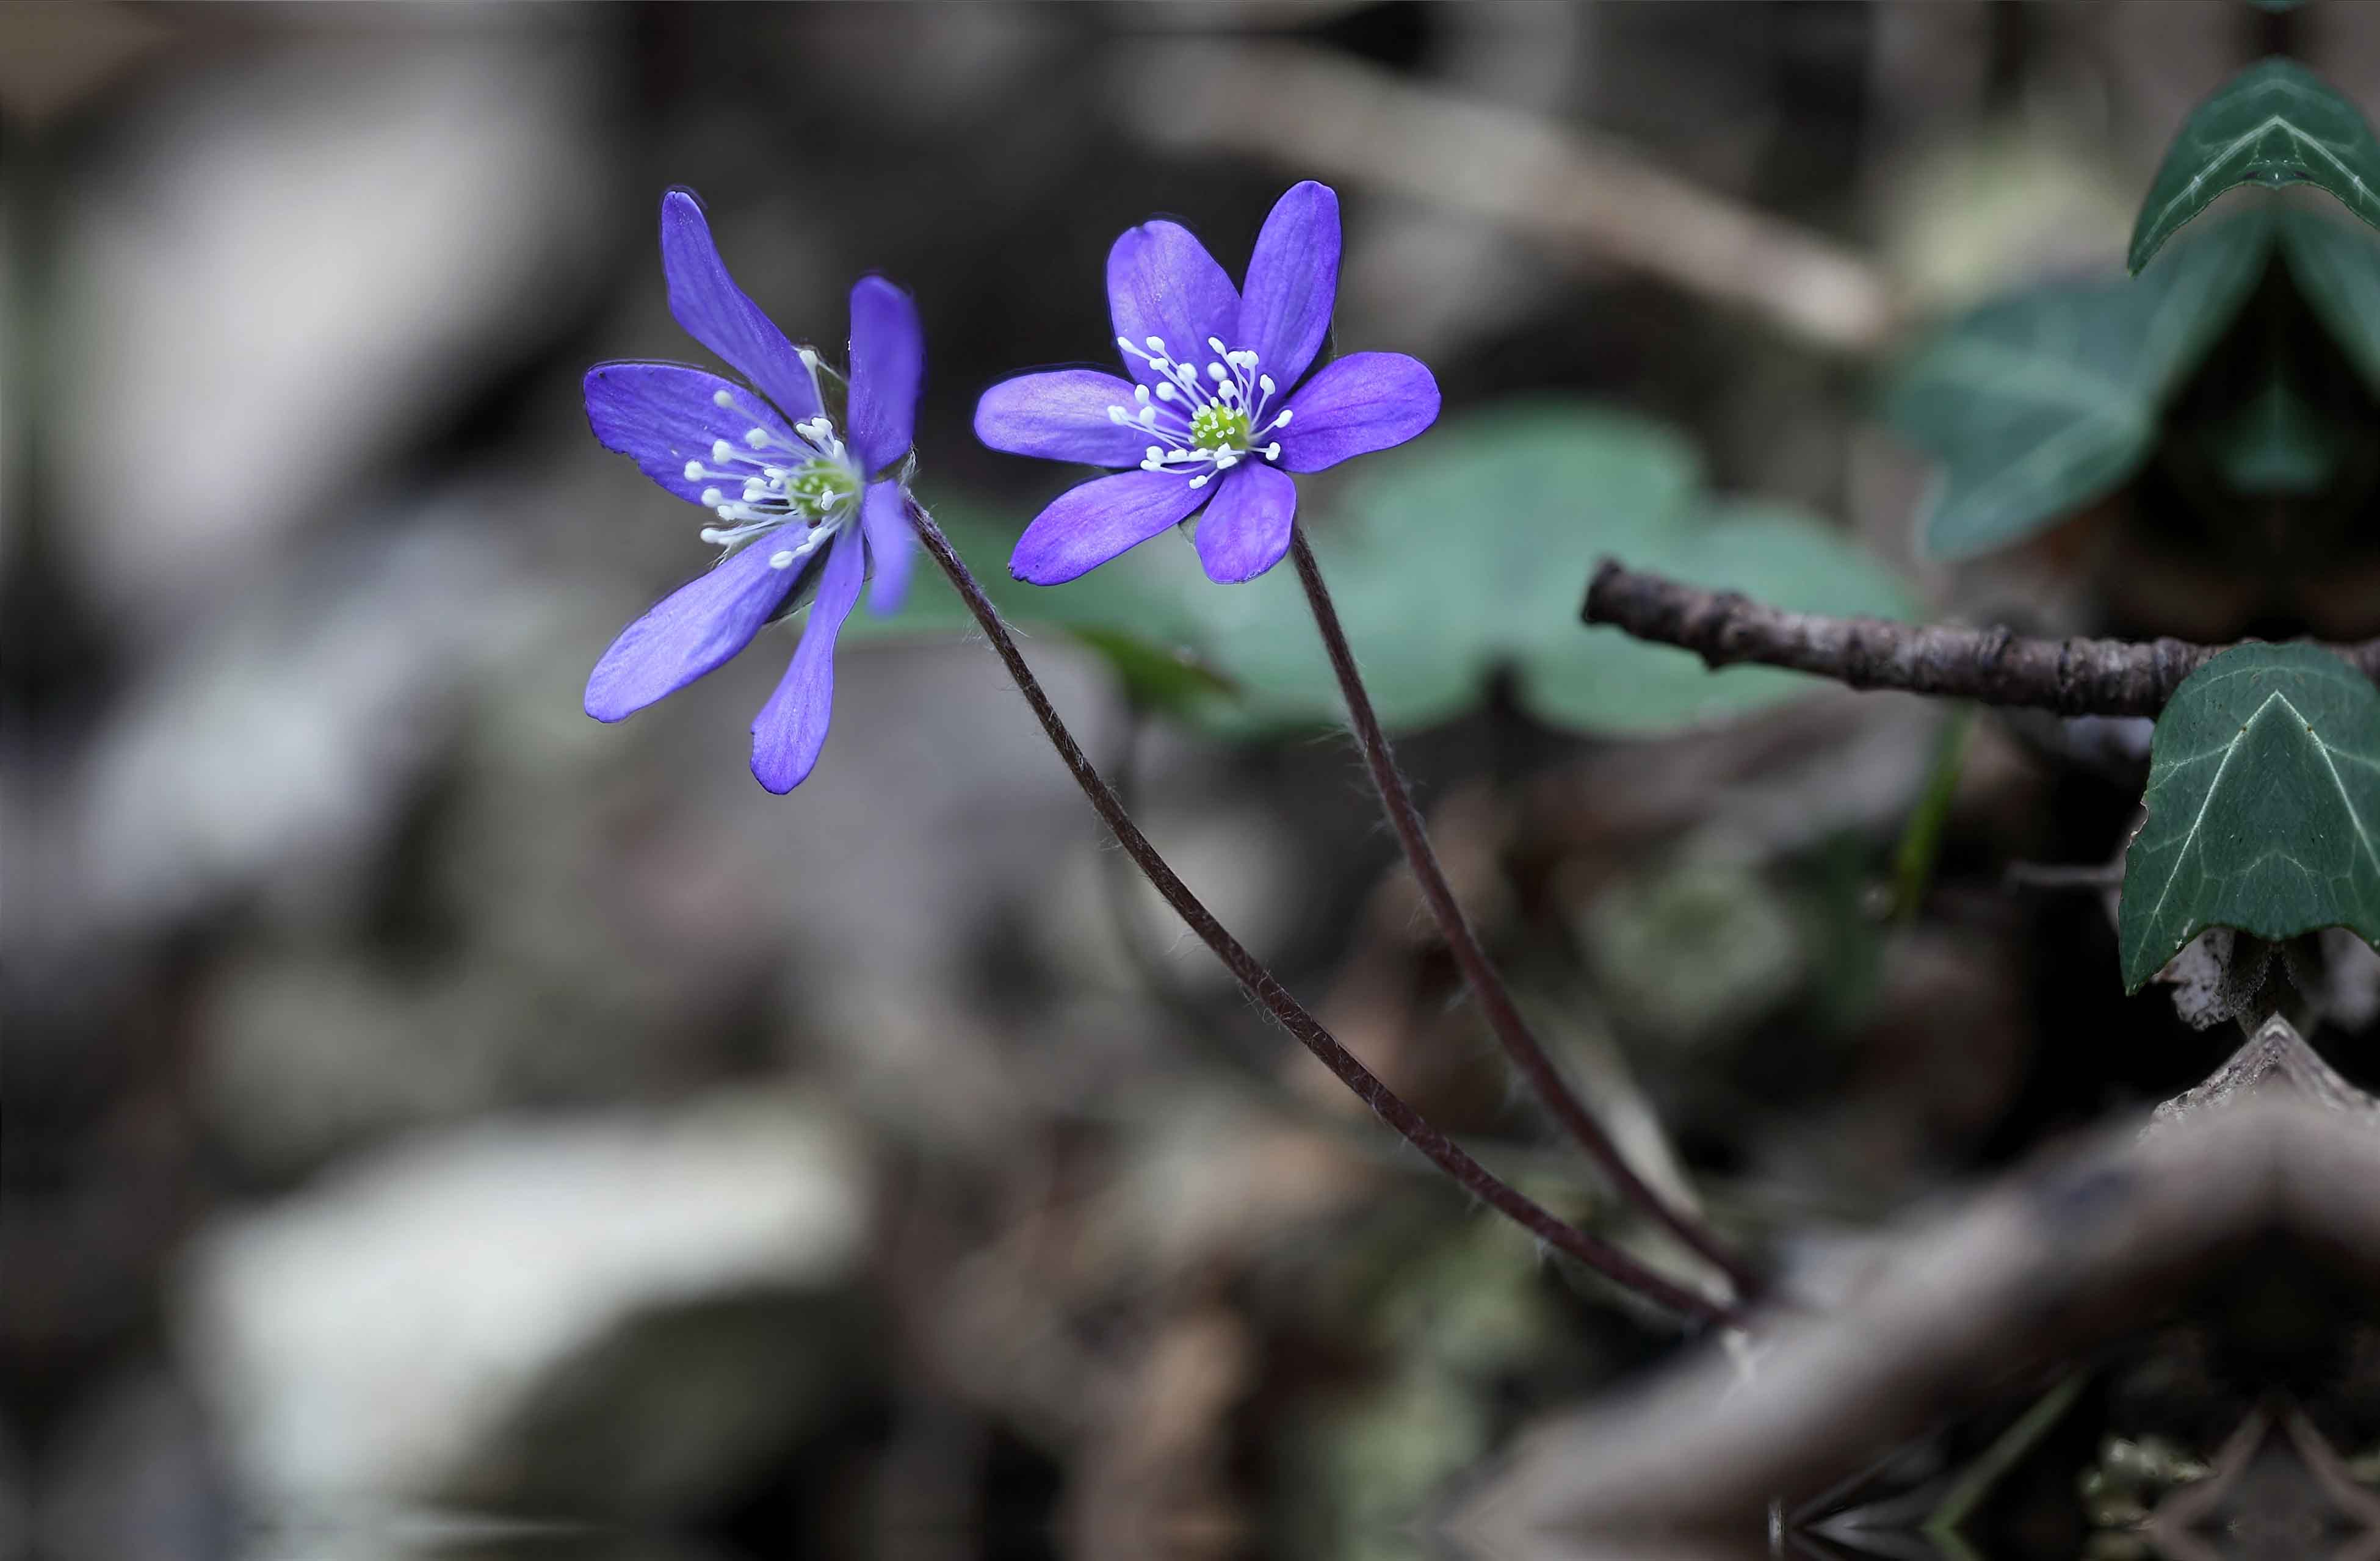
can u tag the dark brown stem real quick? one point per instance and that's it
(1261, 984)
(1485, 983)
(2073, 677)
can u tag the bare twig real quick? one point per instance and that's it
(1480, 972)
(2073, 677)
(1260, 982)
(1334, 117)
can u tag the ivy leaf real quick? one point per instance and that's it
(2046, 401)
(2336, 269)
(2276, 123)
(1453, 561)
(2277, 445)
(2264, 807)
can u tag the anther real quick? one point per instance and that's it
(714, 498)
(722, 398)
(694, 471)
(721, 452)
(756, 438)
(780, 559)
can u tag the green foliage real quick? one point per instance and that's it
(1458, 559)
(2262, 801)
(2275, 123)
(2336, 269)
(2044, 401)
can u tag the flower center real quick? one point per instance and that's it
(1216, 426)
(818, 488)
(1202, 419)
(808, 480)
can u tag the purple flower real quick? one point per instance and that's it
(1210, 416)
(798, 506)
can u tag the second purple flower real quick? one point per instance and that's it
(1213, 416)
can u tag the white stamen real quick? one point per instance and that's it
(721, 452)
(694, 471)
(1265, 381)
(781, 559)
(757, 437)
(722, 398)
(714, 498)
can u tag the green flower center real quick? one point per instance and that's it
(1217, 426)
(818, 488)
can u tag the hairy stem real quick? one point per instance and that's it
(2073, 677)
(1485, 983)
(1261, 984)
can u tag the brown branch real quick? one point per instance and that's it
(1480, 972)
(2073, 677)
(1266, 988)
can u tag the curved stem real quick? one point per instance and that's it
(1486, 985)
(1443, 1152)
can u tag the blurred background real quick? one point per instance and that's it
(437, 1121)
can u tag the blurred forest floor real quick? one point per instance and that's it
(424, 1100)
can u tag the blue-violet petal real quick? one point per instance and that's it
(1062, 415)
(1363, 402)
(790, 727)
(1162, 282)
(1246, 530)
(713, 310)
(690, 632)
(888, 366)
(892, 544)
(1293, 283)
(1086, 526)
(666, 415)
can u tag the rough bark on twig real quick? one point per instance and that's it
(2073, 677)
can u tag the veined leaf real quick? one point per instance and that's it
(2042, 402)
(2276, 123)
(1452, 561)
(2263, 807)
(2336, 269)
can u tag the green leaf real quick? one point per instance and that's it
(1452, 561)
(2276, 123)
(2336, 269)
(2046, 401)
(1467, 556)
(2263, 807)
(2277, 445)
